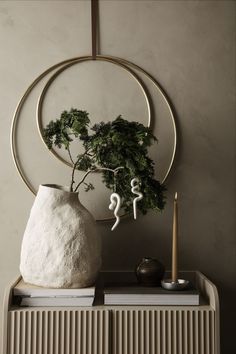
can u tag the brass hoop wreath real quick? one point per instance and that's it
(125, 64)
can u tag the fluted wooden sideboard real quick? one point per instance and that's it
(115, 329)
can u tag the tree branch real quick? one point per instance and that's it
(98, 169)
(72, 176)
(74, 168)
(68, 149)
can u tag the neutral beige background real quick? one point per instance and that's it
(189, 46)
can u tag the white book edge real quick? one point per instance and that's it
(167, 303)
(151, 297)
(132, 299)
(145, 303)
(40, 302)
(55, 296)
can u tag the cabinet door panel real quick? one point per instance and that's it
(157, 331)
(58, 332)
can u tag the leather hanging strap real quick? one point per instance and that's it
(94, 15)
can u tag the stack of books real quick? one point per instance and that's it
(31, 295)
(138, 295)
(127, 291)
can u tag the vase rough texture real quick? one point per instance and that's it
(61, 246)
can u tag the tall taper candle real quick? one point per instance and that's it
(175, 242)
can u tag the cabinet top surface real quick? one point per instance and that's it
(200, 281)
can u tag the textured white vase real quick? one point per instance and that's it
(61, 246)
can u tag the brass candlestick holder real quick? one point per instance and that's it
(174, 283)
(179, 284)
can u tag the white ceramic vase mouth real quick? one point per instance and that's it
(58, 187)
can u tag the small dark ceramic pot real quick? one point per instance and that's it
(150, 272)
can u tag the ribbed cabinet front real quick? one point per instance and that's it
(113, 331)
(160, 331)
(58, 332)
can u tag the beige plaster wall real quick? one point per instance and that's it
(189, 46)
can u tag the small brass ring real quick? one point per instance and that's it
(67, 66)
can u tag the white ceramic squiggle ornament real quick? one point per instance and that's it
(115, 205)
(135, 189)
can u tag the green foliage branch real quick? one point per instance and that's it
(117, 149)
